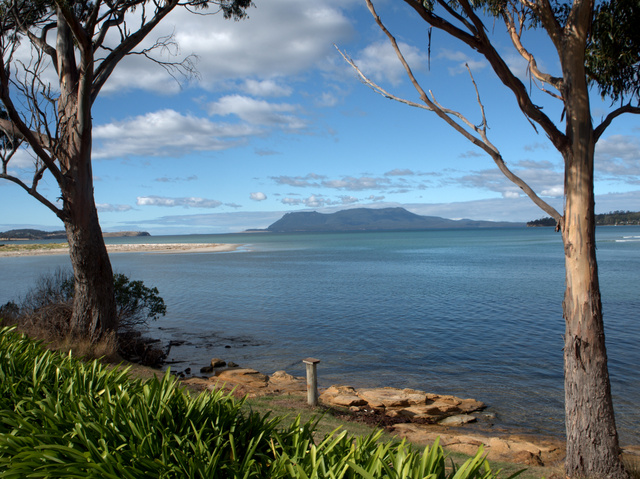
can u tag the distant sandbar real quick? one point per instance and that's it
(62, 248)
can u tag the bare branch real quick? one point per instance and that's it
(449, 117)
(34, 193)
(599, 130)
(480, 42)
(516, 39)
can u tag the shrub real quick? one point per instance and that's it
(45, 313)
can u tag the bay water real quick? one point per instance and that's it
(473, 313)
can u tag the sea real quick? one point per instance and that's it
(475, 313)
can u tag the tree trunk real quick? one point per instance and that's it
(94, 309)
(592, 438)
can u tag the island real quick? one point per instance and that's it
(371, 219)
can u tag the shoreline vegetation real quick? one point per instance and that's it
(614, 218)
(158, 248)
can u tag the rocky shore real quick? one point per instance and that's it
(418, 416)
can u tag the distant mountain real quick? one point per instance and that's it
(367, 219)
(31, 234)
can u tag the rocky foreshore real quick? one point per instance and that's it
(418, 416)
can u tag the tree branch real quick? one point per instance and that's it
(34, 193)
(481, 43)
(531, 61)
(599, 130)
(105, 68)
(449, 115)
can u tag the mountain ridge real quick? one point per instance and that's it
(371, 219)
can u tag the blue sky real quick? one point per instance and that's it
(278, 122)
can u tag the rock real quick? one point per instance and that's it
(231, 364)
(459, 420)
(392, 397)
(509, 448)
(247, 377)
(282, 376)
(206, 369)
(344, 396)
(218, 363)
(419, 412)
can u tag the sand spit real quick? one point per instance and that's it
(165, 248)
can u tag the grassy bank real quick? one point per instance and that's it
(60, 417)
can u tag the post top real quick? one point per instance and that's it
(311, 361)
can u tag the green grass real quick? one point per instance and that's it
(60, 417)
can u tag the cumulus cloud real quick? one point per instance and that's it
(266, 88)
(167, 133)
(357, 184)
(380, 63)
(299, 181)
(619, 155)
(258, 112)
(258, 196)
(185, 202)
(543, 178)
(281, 37)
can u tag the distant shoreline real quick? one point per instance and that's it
(158, 248)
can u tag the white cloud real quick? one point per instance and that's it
(167, 132)
(619, 155)
(462, 60)
(258, 112)
(380, 62)
(280, 37)
(400, 172)
(186, 202)
(109, 208)
(542, 177)
(258, 196)
(265, 88)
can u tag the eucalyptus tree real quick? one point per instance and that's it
(56, 58)
(597, 46)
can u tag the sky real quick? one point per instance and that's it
(276, 121)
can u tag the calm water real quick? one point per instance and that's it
(470, 313)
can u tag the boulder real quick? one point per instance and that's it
(459, 420)
(343, 396)
(218, 363)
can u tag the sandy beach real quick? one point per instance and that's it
(60, 248)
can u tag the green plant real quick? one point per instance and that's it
(60, 417)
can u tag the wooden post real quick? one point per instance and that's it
(312, 381)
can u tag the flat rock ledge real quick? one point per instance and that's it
(408, 403)
(418, 416)
(249, 382)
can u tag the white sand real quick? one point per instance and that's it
(136, 248)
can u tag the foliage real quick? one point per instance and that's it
(606, 219)
(60, 417)
(613, 53)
